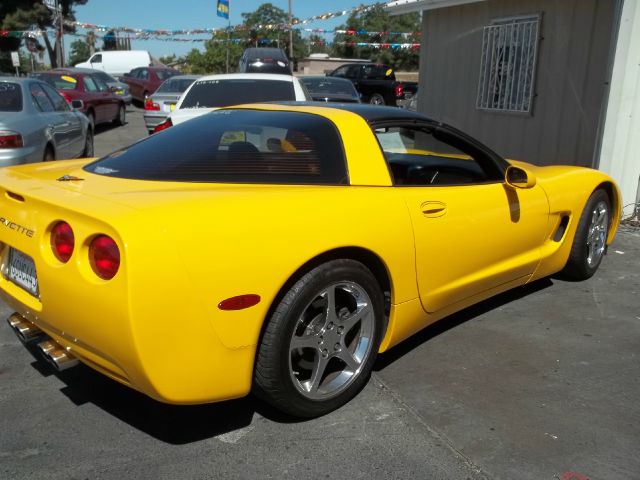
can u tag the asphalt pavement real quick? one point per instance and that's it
(539, 383)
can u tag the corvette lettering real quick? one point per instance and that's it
(18, 228)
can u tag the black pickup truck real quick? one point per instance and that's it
(376, 83)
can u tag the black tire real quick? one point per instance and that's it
(589, 243)
(92, 120)
(88, 144)
(303, 315)
(121, 117)
(377, 99)
(49, 154)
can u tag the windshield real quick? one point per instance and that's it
(10, 97)
(236, 146)
(175, 85)
(58, 81)
(223, 93)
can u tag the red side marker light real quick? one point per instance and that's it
(240, 302)
(62, 241)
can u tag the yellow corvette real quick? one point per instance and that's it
(279, 248)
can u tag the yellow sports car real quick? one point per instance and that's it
(280, 248)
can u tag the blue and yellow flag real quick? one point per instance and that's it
(223, 8)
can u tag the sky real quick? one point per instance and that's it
(191, 14)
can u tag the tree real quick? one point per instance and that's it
(25, 14)
(79, 52)
(269, 14)
(377, 20)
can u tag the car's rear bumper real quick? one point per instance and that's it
(18, 156)
(154, 119)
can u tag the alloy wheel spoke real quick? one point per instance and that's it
(318, 371)
(360, 314)
(331, 305)
(352, 363)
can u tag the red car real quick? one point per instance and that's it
(144, 81)
(99, 103)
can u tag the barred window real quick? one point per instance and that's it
(507, 69)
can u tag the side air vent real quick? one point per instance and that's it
(561, 228)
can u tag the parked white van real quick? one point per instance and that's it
(118, 62)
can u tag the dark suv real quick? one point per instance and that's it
(264, 60)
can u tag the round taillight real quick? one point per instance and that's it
(62, 241)
(104, 257)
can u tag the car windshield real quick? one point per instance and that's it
(223, 93)
(328, 85)
(175, 85)
(236, 146)
(10, 97)
(164, 74)
(378, 72)
(58, 81)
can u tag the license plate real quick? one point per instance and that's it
(22, 271)
(172, 107)
(120, 92)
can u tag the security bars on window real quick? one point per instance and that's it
(507, 69)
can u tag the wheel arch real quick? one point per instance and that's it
(615, 201)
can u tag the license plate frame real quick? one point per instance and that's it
(21, 270)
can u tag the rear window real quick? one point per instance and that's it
(175, 85)
(164, 74)
(328, 85)
(236, 146)
(10, 97)
(59, 82)
(223, 93)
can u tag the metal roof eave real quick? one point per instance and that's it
(399, 7)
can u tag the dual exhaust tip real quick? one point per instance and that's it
(52, 351)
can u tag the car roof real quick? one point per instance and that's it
(248, 76)
(371, 113)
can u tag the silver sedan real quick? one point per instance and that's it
(37, 123)
(158, 106)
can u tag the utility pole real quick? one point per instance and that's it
(290, 35)
(61, 37)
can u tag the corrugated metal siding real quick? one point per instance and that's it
(569, 85)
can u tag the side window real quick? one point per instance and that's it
(59, 103)
(90, 84)
(102, 87)
(97, 58)
(341, 72)
(144, 74)
(425, 156)
(352, 72)
(134, 73)
(40, 98)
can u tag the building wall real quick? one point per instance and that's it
(570, 82)
(620, 154)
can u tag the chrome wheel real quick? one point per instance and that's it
(377, 99)
(597, 233)
(331, 341)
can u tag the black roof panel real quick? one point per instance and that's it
(371, 113)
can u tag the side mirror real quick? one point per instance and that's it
(517, 177)
(77, 104)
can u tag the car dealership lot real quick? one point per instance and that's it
(538, 383)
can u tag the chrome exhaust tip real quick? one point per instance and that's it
(25, 330)
(57, 356)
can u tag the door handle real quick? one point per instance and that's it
(433, 209)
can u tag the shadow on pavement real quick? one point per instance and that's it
(181, 424)
(456, 319)
(173, 424)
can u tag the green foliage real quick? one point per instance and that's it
(21, 14)
(377, 20)
(214, 58)
(78, 52)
